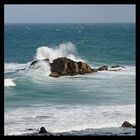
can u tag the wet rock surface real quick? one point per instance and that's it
(64, 66)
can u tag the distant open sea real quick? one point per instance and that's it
(91, 104)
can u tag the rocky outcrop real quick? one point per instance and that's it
(64, 66)
(127, 124)
(42, 130)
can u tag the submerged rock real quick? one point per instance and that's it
(112, 68)
(127, 124)
(94, 70)
(36, 61)
(29, 129)
(105, 67)
(116, 66)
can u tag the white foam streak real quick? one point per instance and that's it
(63, 50)
(12, 67)
(9, 82)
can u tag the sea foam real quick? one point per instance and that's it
(63, 50)
(70, 117)
(13, 67)
(9, 82)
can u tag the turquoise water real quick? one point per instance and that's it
(94, 101)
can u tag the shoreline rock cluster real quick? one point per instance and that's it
(66, 67)
(43, 132)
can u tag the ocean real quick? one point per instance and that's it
(92, 104)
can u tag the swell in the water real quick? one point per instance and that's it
(62, 50)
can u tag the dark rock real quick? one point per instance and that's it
(33, 63)
(29, 129)
(42, 130)
(94, 70)
(114, 70)
(64, 66)
(105, 67)
(54, 74)
(127, 124)
(84, 68)
(116, 66)
(36, 61)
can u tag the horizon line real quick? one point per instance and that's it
(62, 22)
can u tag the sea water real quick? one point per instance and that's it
(99, 101)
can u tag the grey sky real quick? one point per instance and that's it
(68, 13)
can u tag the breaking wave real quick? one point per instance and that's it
(13, 67)
(63, 50)
(9, 82)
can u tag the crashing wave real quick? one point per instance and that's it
(9, 82)
(63, 50)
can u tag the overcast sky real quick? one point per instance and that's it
(68, 13)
